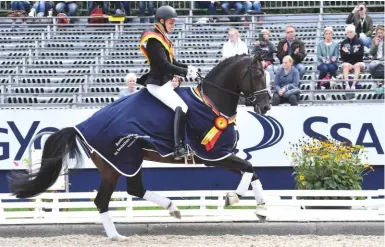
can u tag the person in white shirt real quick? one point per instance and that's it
(235, 46)
(131, 81)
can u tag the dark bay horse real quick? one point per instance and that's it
(121, 135)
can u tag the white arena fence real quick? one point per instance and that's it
(196, 206)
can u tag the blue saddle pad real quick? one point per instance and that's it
(140, 121)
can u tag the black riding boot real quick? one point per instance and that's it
(180, 149)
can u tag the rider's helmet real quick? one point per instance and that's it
(165, 12)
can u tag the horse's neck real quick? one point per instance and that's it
(225, 102)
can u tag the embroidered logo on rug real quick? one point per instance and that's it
(127, 141)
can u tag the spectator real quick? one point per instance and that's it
(211, 6)
(235, 46)
(376, 67)
(21, 6)
(68, 8)
(131, 81)
(362, 22)
(19, 9)
(123, 8)
(352, 53)
(142, 8)
(255, 6)
(286, 83)
(176, 81)
(328, 54)
(237, 5)
(269, 49)
(91, 5)
(42, 8)
(293, 47)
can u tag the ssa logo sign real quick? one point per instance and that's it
(272, 133)
(366, 130)
(19, 141)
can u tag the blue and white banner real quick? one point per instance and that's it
(263, 139)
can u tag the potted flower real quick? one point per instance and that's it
(328, 165)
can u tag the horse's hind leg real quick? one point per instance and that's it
(135, 188)
(109, 180)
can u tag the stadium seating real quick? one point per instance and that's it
(46, 64)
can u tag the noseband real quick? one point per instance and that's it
(252, 97)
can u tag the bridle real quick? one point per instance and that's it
(252, 97)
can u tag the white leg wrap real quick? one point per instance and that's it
(168, 96)
(244, 184)
(258, 191)
(109, 226)
(157, 199)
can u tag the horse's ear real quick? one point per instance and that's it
(259, 55)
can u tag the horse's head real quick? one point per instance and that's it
(254, 86)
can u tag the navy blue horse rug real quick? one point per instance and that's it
(120, 131)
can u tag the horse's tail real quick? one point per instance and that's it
(56, 147)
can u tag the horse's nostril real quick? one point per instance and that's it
(266, 108)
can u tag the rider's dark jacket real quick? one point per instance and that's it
(159, 53)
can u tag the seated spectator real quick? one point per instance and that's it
(362, 22)
(68, 8)
(268, 47)
(293, 47)
(352, 53)
(176, 80)
(142, 8)
(42, 8)
(328, 55)
(376, 67)
(105, 5)
(237, 5)
(19, 9)
(131, 81)
(211, 6)
(235, 46)
(255, 7)
(286, 83)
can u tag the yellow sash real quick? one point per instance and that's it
(166, 44)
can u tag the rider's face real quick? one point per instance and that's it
(170, 25)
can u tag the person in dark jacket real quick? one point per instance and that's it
(293, 47)
(362, 22)
(263, 44)
(158, 50)
(352, 53)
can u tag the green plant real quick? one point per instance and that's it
(328, 165)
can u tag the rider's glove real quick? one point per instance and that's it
(192, 72)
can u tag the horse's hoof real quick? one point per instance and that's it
(261, 218)
(119, 238)
(176, 214)
(261, 213)
(231, 199)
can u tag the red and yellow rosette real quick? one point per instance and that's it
(220, 124)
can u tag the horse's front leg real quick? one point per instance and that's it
(244, 168)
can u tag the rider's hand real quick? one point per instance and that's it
(192, 72)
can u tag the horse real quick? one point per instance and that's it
(138, 127)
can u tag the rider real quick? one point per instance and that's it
(157, 47)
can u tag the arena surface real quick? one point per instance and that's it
(198, 235)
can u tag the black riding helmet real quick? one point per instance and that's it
(165, 12)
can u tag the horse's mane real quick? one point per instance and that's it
(219, 67)
(223, 64)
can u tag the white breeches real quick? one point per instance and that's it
(167, 95)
